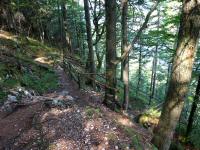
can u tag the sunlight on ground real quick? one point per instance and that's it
(125, 122)
(53, 112)
(6, 35)
(62, 144)
(44, 60)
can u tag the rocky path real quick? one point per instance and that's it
(69, 119)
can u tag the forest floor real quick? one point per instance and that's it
(69, 118)
(79, 122)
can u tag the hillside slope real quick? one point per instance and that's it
(59, 116)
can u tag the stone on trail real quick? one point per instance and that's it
(70, 98)
(12, 98)
(64, 93)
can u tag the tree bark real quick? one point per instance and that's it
(181, 74)
(67, 38)
(153, 77)
(125, 63)
(90, 44)
(110, 95)
(193, 109)
(139, 71)
(99, 31)
(154, 66)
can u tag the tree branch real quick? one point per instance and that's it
(144, 26)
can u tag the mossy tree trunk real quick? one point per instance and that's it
(125, 63)
(91, 64)
(110, 93)
(181, 74)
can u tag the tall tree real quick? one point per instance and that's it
(154, 66)
(99, 31)
(110, 92)
(139, 70)
(125, 62)
(181, 74)
(193, 109)
(91, 64)
(66, 35)
(67, 38)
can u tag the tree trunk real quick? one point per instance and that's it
(168, 77)
(99, 33)
(181, 74)
(193, 109)
(139, 71)
(154, 66)
(90, 44)
(153, 76)
(110, 93)
(67, 39)
(125, 63)
(59, 22)
(66, 36)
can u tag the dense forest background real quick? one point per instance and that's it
(128, 50)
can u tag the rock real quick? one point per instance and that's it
(58, 103)
(147, 120)
(55, 102)
(70, 98)
(59, 67)
(16, 93)
(27, 93)
(64, 93)
(12, 98)
(76, 97)
(92, 127)
(7, 108)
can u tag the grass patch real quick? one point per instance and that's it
(92, 112)
(46, 81)
(20, 73)
(112, 137)
(11, 83)
(21, 70)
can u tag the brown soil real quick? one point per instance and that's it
(83, 124)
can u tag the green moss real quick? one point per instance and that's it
(3, 96)
(23, 70)
(92, 112)
(11, 83)
(112, 137)
(41, 82)
(153, 113)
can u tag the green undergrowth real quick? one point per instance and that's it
(92, 112)
(28, 48)
(30, 76)
(18, 67)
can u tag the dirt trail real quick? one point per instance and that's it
(68, 119)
